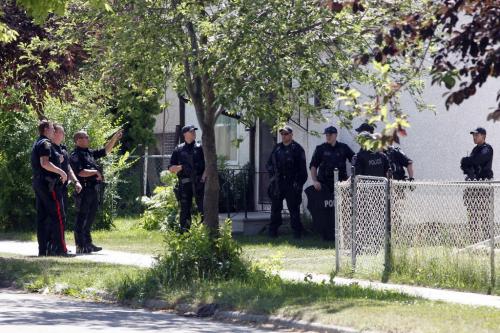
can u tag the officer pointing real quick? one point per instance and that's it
(188, 162)
(89, 173)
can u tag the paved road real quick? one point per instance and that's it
(21, 312)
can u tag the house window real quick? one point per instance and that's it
(225, 137)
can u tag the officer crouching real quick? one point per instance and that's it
(288, 172)
(188, 162)
(89, 173)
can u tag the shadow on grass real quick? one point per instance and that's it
(307, 242)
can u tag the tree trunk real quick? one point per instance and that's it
(211, 199)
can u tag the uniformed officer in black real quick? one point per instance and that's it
(398, 162)
(188, 162)
(288, 172)
(61, 149)
(88, 172)
(477, 199)
(327, 157)
(371, 162)
(477, 166)
(47, 174)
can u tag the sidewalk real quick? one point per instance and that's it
(141, 260)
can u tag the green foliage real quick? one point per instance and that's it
(162, 208)
(197, 256)
(17, 134)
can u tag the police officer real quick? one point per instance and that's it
(62, 151)
(477, 199)
(188, 162)
(288, 172)
(370, 162)
(89, 174)
(47, 173)
(399, 161)
(477, 166)
(327, 157)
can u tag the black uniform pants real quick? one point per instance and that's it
(86, 204)
(293, 199)
(185, 197)
(49, 219)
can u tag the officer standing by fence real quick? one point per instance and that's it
(478, 198)
(288, 173)
(188, 162)
(327, 157)
(370, 162)
(47, 173)
(89, 173)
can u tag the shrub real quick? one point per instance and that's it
(162, 208)
(197, 256)
(17, 199)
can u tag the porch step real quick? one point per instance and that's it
(254, 223)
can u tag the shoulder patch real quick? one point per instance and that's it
(46, 144)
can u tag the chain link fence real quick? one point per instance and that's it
(433, 231)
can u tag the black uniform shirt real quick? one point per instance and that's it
(327, 157)
(43, 147)
(369, 163)
(189, 155)
(290, 163)
(85, 158)
(62, 151)
(481, 159)
(398, 161)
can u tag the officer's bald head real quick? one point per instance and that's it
(81, 139)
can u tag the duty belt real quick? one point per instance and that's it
(185, 180)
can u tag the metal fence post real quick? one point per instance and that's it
(336, 216)
(387, 246)
(354, 212)
(145, 176)
(492, 238)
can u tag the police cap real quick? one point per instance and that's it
(286, 129)
(188, 128)
(479, 130)
(330, 130)
(365, 127)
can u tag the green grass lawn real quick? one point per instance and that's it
(308, 255)
(324, 303)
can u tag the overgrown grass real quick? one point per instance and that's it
(427, 267)
(69, 275)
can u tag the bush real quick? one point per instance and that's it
(17, 199)
(162, 208)
(196, 256)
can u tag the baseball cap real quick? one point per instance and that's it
(287, 129)
(365, 127)
(479, 130)
(330, 130)
(188, 128)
